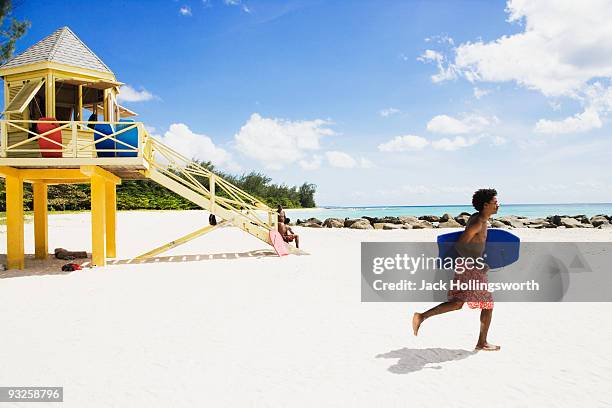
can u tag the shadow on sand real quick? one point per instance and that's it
(259, 253)
(52, 266)
(411, 360)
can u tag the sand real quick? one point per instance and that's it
(223, 322)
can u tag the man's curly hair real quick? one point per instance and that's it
(482, 196)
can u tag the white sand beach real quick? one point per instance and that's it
(223, 322)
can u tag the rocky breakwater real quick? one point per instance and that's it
(600, 221)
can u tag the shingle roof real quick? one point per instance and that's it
(63, 47)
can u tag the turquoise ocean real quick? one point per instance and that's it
(528, 210)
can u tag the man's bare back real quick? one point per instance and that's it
(472, 241)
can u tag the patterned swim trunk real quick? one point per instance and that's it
(475, 298)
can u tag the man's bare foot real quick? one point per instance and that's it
(417, 319)
(487, 347)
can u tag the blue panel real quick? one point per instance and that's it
(106, 144)
(130, 137)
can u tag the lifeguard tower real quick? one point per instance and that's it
(62, 124)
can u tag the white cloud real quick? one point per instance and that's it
(129, 94)
(185, 11)
(365, 163)
(415, 143)
(480, 92)
(344, 160)
(403, 144)
(446, 70)
(340, 159)
(440, 39)
(278, 142)
(388, 112)
(564, 44)
(561, 48)
(580, 122)
(498, 140)
(453, 144)
(471, 123)
(198, 146)
(313, 164)
(431, 56)
(237, 3)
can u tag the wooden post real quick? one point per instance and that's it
(105, 104)
(111, 219)
(14, 222)
(4, 141)
(41, 234)
(212, 193)
(98, 216)
(50, 96)
(79, 112)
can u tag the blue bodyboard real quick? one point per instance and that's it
(501, 249)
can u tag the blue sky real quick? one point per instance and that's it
(376, 102)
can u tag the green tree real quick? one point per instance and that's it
(307, 192)
(9, 32)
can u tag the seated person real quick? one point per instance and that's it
(287, 233)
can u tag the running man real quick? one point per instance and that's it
(471, 244)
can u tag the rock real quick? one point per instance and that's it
(333, 223)
(512, 222)
(387, 226)
(422, 224)
(361, 224)
(555, 219)
(407, 226)
(429, 218)
(497, 224)
(310, 221)
(407, 219)
(451, 223)
(571, 222)
(310, 224)
(445, 217)
(372, 220)
(605, 226)
(548, 225)
(534, 221)
(464, 213)
(463, 218)
(598, 220)
(348, 222)
(390, 220)
(543, 225)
